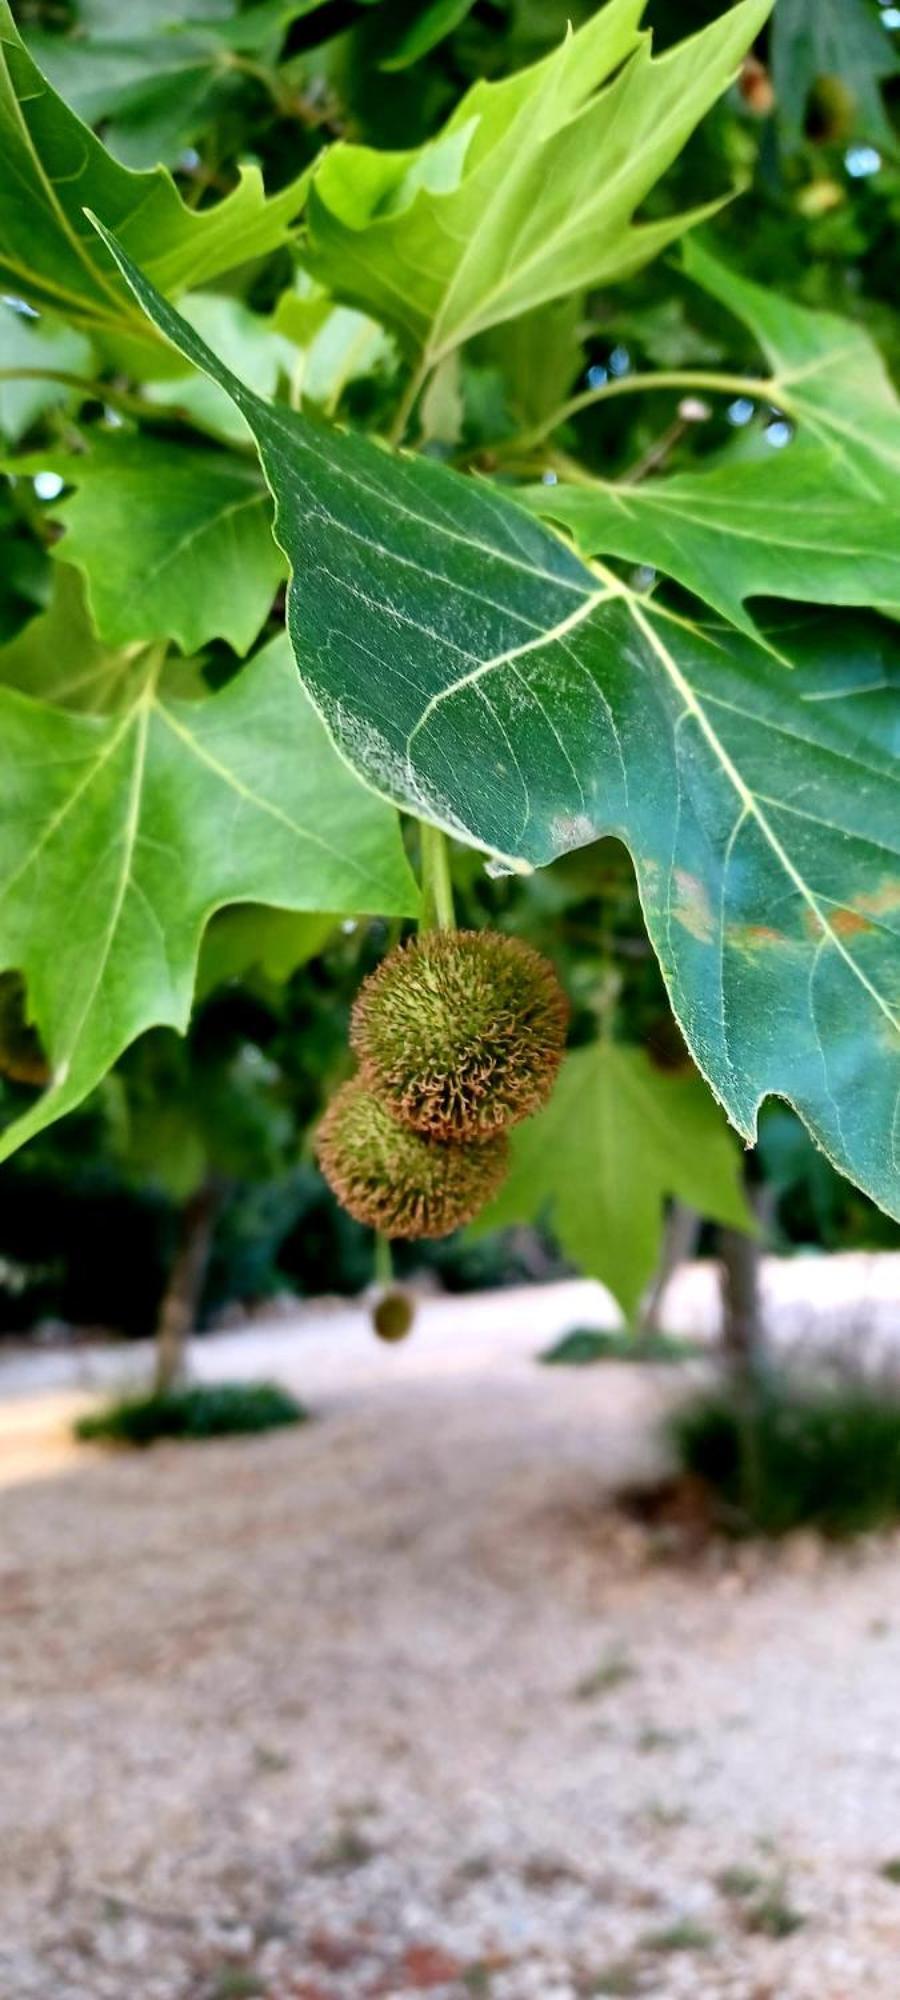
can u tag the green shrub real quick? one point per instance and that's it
(586, 1344)
(798, 1456)
(200, 1410)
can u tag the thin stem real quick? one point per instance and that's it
(99, 392)
(632, 385)
(437, 887)
(384, 1262)
(407, 402)
(656, 453)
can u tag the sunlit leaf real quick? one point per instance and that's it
(827, 374)
(122, 835)
(616, 1139)
(530, 191)
(473, 668)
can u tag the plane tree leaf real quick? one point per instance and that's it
(785, 526)
(58, 657)
(156, 83)
(839, 41)
(53, 167)
(121, 835)
(598, 1163)
(826, 373)
(174, 543)
(531, 189)
(474, 669)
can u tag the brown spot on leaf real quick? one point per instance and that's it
(692, 908)
(848, 922)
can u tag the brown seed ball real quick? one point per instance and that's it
(461, 1033)
(393, 1179)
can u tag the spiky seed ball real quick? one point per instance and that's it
(461, 1033)
(392, 1315)
(395, 1180)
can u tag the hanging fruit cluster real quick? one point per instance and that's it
(458, 1036)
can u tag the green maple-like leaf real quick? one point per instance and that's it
(616, 1139)
(53, 167)
(122, 834)
(827, 374)
(530, 191)
(474, 669)
(778, 527)
(840, 40)
(173, 543)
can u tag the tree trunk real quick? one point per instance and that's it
(181, 1299)
(743, 1332)
(679, 1242)
(744, 1349)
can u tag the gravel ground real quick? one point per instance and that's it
(393, 1704)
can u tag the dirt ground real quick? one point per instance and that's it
(392, 1704)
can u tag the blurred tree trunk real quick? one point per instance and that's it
(181, 1298)
(740, 1267)
(744, 1343)
(679, 1242)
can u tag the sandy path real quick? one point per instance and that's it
(308, 1716)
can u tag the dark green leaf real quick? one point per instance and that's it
(475, 670)
(840, 40)
(173, 543)
(53, 167)
(432, 24)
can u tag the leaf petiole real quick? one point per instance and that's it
(437, 888)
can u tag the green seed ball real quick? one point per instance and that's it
(461, 1033)
(393, 1315)
(395, 1180)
